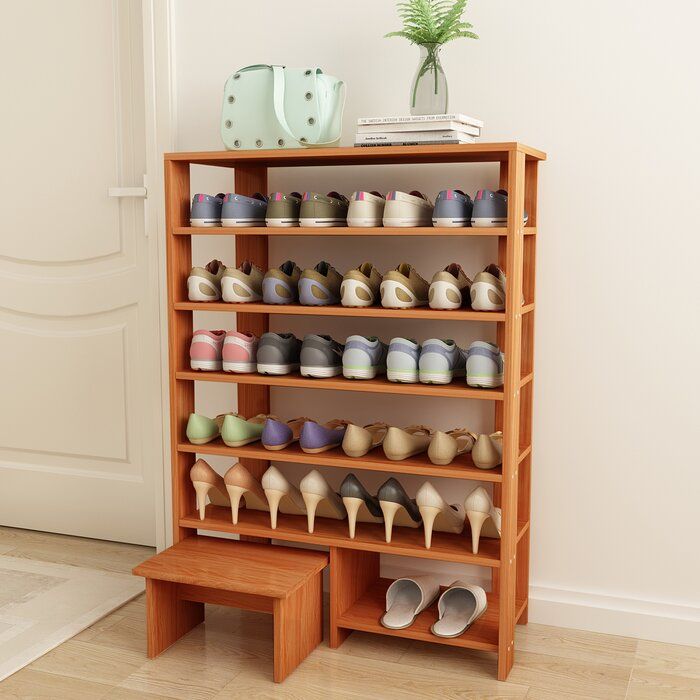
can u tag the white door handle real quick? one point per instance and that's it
(127, 192)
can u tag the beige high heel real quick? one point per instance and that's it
(240, 483)
(484, 518)
(281, 495)
(320, 498)
(487, 452)
(437, 514)
(207, 482)
(444, 447)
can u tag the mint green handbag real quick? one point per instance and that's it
(277, 107)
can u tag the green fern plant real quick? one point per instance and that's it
(433, 22)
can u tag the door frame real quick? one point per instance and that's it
(158, 66)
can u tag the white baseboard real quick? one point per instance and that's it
(628, 617)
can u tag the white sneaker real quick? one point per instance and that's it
(488, 290)
(408, 209)
(366, 209)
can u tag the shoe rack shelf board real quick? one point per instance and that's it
(357, 591)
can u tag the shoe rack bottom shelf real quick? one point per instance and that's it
(365, 613)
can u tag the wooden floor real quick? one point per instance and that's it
(230, 656)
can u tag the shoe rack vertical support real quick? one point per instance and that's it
(252, 399)
(511, 412)
(179, 262)
(526, 398)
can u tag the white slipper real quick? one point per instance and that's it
(459, 606)
(406, 597)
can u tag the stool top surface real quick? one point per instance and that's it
(244, 567)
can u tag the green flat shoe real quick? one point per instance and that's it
(236, 431)
(201, 430)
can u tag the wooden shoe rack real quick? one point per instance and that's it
(357, 591)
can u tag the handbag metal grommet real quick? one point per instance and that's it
(303, 139)
(308, 95)
(311, 121)
(231, 99)
(307, 72)
(228, 124)
(258, 143)
(237, 143)
(280, 142)
(237, 76)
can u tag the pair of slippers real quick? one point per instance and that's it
(458, 607)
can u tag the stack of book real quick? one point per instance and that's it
(411, 131)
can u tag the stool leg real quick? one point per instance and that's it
(167, 617)
(298, 626)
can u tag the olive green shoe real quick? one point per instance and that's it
(236, 431)
(320, 286)
(283, 209)
(201, 430)
(323, 210)
(403, 288)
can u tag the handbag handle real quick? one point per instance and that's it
(278, 102)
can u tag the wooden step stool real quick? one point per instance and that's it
(284, 581)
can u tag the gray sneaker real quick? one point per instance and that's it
(452, 208)
(491, 209)
(440, 361)
(320, 286)
(281, 284)
(321, 356)
(278, 353)
(206, 210)
(239, 210)
(364, 357)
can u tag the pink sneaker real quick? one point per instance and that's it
(240, 350)
(205, 350)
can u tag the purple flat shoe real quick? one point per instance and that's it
(277, 435)
(319, 438)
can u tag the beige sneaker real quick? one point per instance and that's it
(204, 283)
(242, 284)
(360, 286)
(403, 288)
(449, 288)
(408, 209)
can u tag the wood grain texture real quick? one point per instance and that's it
(352, 572)
(511, 415)
(298, 626)
(329, 532)
(365, 613)
(168, 617)
(461, 468)
(178, 262)
(379, 155)
(456, 390)
(345, 231)
(241, 567)
(425, 314)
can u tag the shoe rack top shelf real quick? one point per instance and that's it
(349, 155)
(345, 231)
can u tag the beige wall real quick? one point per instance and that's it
(609, 90)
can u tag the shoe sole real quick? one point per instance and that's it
(485, 382)
(241, 367)
(322, 223)
(282, 223)
(206, 365)
(403, 222)
(365, 223)
(439, 299)
(242, 222)
(320, 372)
(360, 373)
(205, 223)
(450, 223)
(402, 376)
(277, 369)
(490, 222)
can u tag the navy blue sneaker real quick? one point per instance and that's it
(206, 210)
(452, 209)
(239, 210)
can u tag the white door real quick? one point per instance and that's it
(80, 424)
